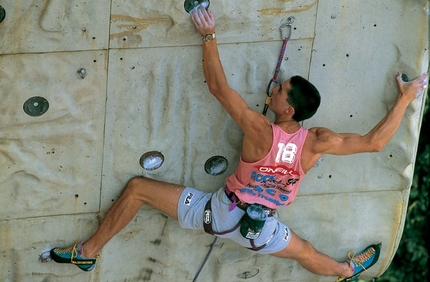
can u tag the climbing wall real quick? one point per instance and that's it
(89, 87)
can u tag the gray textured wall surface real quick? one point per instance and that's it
(144, 90)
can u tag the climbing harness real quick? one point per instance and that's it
(285, 30)
(251, 223)
(207, 225)
(251, 229)
(207, 221)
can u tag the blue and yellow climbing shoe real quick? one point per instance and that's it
(72, 255)
(362, 262)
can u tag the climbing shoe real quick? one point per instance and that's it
(368, 257)
(72, 255)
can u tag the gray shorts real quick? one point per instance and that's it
(190, 215)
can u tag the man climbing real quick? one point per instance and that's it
(275, 157)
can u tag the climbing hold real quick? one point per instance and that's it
(151, 160)
(36, 106)
(248, 274)
(82, 72)
(189, 5)
(216, 165)
(2, 14)
(45, 257)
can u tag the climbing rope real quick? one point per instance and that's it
(206, 258)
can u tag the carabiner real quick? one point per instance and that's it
(269, 94)
(288, 24)
(272, 84)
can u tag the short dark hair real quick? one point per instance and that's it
(303, 97)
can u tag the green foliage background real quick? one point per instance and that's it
(410, 263)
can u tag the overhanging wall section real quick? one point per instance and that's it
(143, 90)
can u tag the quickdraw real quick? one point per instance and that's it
(285, 35)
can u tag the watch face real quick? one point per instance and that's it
(209, 37)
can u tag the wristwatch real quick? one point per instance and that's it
(209, 37)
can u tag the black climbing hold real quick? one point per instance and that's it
(248, 274)
(151, 160)
(189, 5)
(405, 77)
(216, 165)
(2, 13)
(36, 106)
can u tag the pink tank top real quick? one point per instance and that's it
(274, 180)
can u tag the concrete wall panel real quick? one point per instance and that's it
(23, 240)
(51, 164)
(54, 25)
(356, 56)
(144, 91)
(165, 23)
